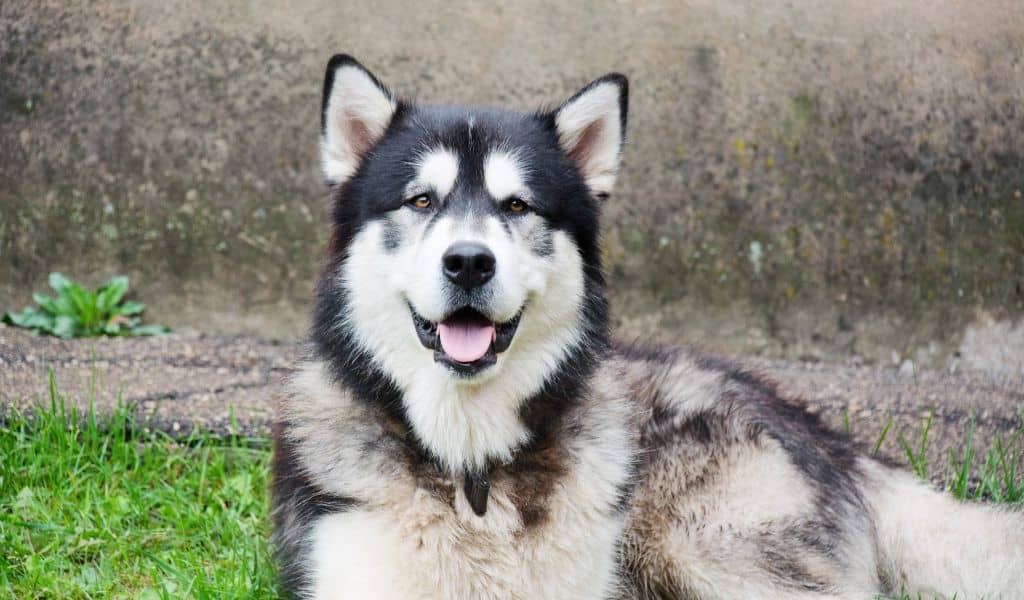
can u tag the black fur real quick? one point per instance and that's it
(298, 502)
(826, 457)
(750, 410)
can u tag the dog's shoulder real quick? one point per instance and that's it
(732, 466)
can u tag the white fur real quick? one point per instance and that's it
(925, 537)
(756, 488)
(598, 106)
(464, 422)
(315, 402)
(356, 106)
(436, 170)
(401, 541)
(503, 175)
(353, 556)
(421, 550)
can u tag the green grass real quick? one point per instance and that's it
(91, 510)
(995, 478)
(96, 511)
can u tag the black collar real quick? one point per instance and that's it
(477, 488)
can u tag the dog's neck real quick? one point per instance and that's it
(540, 417)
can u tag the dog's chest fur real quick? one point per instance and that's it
(551, 529)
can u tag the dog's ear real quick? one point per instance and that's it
(355, 112)
(591, 127)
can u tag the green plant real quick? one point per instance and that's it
(77, 312)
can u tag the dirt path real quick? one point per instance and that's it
(181, 381)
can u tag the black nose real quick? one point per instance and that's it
(468, 264)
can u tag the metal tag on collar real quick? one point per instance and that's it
(477, 488)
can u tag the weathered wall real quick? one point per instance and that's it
(803, 178)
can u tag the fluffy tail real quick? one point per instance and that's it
(931, 545)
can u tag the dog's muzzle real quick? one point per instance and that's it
(466, 340)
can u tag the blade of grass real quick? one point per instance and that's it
(881, 438)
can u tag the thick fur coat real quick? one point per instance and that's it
(462, 427)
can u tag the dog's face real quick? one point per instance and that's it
(466, 239)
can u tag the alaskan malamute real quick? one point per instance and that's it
(462, 427)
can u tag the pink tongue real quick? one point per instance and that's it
(466, 341)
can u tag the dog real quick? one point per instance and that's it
(462, 425)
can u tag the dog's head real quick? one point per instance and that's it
(465, 262)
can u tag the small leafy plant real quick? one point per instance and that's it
(77, 312)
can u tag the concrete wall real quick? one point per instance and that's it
(813, 179)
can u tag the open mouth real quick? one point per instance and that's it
(466, 340)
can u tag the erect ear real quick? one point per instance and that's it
(591, 127)
(356, 111)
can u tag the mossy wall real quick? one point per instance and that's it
(814, 180)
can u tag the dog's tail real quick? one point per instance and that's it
(931, 545)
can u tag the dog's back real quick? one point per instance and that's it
(747, 495)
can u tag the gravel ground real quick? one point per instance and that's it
(181, 381)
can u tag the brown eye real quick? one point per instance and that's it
(516, 205)
(421, 201)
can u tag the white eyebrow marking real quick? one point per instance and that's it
(503, 175)
(438, 169)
